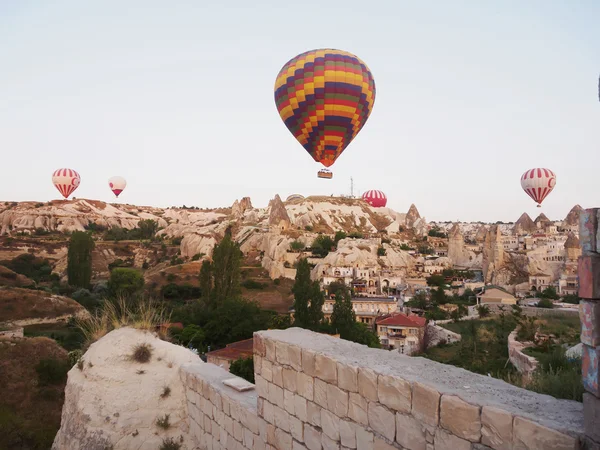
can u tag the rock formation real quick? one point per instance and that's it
(542, 221)
(239, 208)
(412, 216)
(524, 225)
(493, 254)
(278, 216)
(115, 402)
(572, 247)
(573, 216)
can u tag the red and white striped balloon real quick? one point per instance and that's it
(376, 199)
(538, 183)
(66, 181)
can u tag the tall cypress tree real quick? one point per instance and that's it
(302, 293)
(343, 317)
(226, 269)
(79, 259)
(206, 283)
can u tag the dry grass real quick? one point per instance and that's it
(163, 422)
(141, 353)
(165, 392)
(144, 314)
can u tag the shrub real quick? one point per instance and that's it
(142, 353)
(545, 303)
(308, 228)
(171, 277)
(176, 240)
(170, 444)
(483, 310)
(125, 281)
(197, 256)
(297, 246)
(356, 235)
(163, 422)
(322, 245)
(277, 281)
(381, 251)
(252, 284)
(404, 247)
(243, 368)
(51, 371)
(165, 392)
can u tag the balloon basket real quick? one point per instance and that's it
(324, 173)
(539, 206)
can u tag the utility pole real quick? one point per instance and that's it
(351, 187)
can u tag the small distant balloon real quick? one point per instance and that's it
(117, 185)
(538, 183)
(66, 181)
(375, 198)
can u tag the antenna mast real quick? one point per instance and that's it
(351, 187)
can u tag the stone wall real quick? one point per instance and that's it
(525, 364)
(317, 392)
(438, 334)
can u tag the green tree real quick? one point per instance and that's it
(192, 335)
(125, 281)
(362, 334)
(549, 292)
(297, 246)
(308, 298)
(343, 317)
(322, 245)
(226, 268)
(483, 310)
(339, 235)
(148, 228)
(419, 300)
(243, 368)
(206, 283)
(79, 259)
(381, 251)
(436, 280)
(545, 303)
(404, 247)
(438, 296)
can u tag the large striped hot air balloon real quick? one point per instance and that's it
(66, 181)
(324, 98)
(538, 183)
(376, 199)
(117, 184)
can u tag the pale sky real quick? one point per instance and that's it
(177, 97)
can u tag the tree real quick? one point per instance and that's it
(125, 281)
(419, 300)
(297, 246)
(438, 296)
(339, 235)
(571, 298)
(483, 310)
(308, 298)
(404, 247)
(226, 268)
(243, 368)
(381, 251)
(322, 245)
(545, 303)
(343, 317)
(147, 228)
(193, 336)
(206, 284)
(436, 280)
(550, 293)
(79, 259)
(361, 334)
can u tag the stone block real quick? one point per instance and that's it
(305, 385)
(226, 404)
(259, 444)
(297, 429)
(262, 429)
(288, 401)
(367, 384)
(528, 435)
(312, 437)
(275, 395)
(325, 368)
(588, 230)
(298, 446)
(590, 362)
(591, 416)
(257, 364)
(395, 393)
(300, 408)
(281, 352)
(320, 394)
(347, 377)
(314, 414)
(258, 345)
(267, 412)
(283, 440)
(381, 444)
(234, 410)
(410, 433)
(348, 433)
(425, 404)
(588, 271)
(330, 423)
(248, 439)
(357, 408)
(364, 439)
(496, 428)
(270, 350)
(460, 418)
(382, 420)
(328, 443)
(337, 400)
(446, 441)
(282, 419)
(308, 362)
(278, 375)
(589, 314)
(250, 421)
(266, 370)
(271, 440)
(295, 357)
(290, 379)
(238, 433)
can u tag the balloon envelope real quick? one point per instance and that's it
(376, 199)
(538, 183)
(117, 184)
(324, 98)
(66, 181)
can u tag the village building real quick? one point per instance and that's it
(495, 295)
(366, 309)
(401, 332)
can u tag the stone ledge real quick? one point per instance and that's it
(561, 415)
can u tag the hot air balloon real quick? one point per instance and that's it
(66, 181)
(538, 183)
(324, 97)
(376, 199)
(117, 184)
